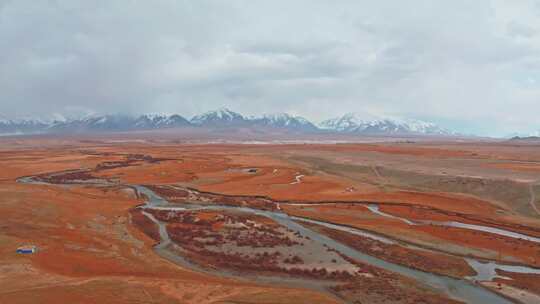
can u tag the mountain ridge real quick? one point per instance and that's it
(223, 118)
(354, 123)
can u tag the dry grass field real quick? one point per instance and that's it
(267, 223)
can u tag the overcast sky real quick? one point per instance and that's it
(473, 66)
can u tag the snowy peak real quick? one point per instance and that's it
(217, 117)
(423, 127)
(226, 118)
(156, 121)
(175, 120)
(285, 121)
(352, 122)
(370, 124)
(346, 123)
(149, 120)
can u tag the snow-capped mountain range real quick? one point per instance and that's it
(21, 126)
(118, 123)
(356, 123)
(224, 118)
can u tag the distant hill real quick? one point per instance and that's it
(525, 139)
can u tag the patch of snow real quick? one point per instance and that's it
(297, 179)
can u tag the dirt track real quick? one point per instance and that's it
(533, 199)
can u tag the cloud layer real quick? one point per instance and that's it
(470, 65)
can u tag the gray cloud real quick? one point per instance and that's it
(471, 65)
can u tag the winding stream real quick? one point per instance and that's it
(460, 289)
(487, 271)
(511, 234)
